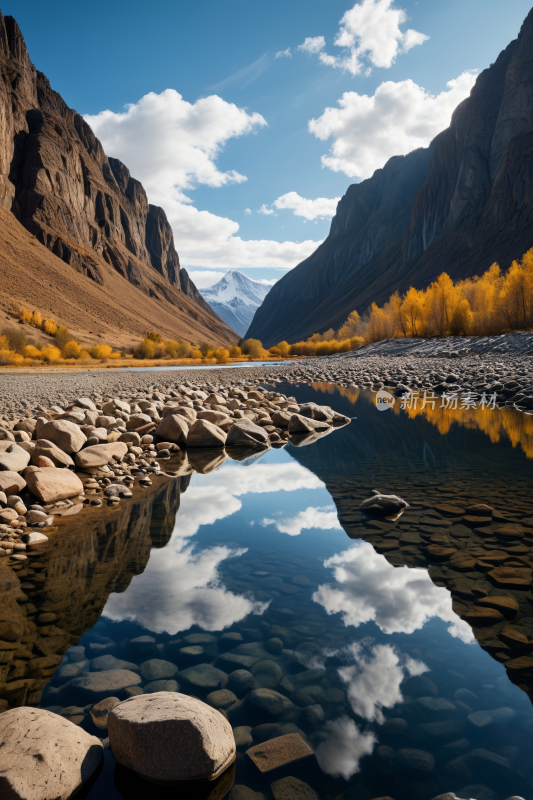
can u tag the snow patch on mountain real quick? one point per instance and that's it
(235, 298)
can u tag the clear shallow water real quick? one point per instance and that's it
(256, 549)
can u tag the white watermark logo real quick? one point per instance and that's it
(384, 400)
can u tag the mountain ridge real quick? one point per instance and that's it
(87, 210)
(470, 208)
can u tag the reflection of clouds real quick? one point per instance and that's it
(373, 679)
(311, 517)
(397, 599)
(342, 751)
(179, 589)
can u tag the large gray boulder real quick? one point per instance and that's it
(205, 434)
(246, 433)
(44, 756)
(168, 736)
(173, 428)
(66, 435)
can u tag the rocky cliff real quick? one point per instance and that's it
(84, 207)
(457, 206)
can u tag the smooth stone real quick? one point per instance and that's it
(161, 686)
(279, 752)
(66, 435)
(147, 732)
(173, 428)
(157, 669)
(291, 788)
(268, 730)
(104, 684)
(104, 663)
(436, 703)
(243, 736)
(99, 454)
(203, 433)
(52, 483)
(274, 646)
(221, 698)
(240, 680)
(416, 760)
(270, 702)
(205, 676)
(14, 458)
(44, 756)
(245, 433)
(383, 505)
(100, 711)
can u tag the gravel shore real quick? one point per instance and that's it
(498, 365)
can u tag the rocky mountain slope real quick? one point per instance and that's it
(93, 218)
(235, 298)
(456, 206)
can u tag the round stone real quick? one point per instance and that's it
(222, 698)
(240, 680)
(270, 702)
(147, 731)
(156, 669)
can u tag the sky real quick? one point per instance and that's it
(248, 121)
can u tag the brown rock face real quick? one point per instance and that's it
(456, 206)
(84, 207)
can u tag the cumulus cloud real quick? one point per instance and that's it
(247, 211)
(172, 146)
(321, 208)
(339, 755)
(397, 599)
(266, 281)
(399, 117)
(266, 210)
(205, 277)
(284, 53)
(369, 36)
(374, 678)
(323, 518)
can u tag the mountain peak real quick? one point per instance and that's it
(235, 298)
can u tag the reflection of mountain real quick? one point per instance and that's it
(87, 559)
(484, 561)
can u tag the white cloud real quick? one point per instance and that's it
(205, 277)
(313, 44)
(321, 208)
(400, 117)
(322, 518)
(373, 681)
(266, 281)
(247, 211)
(266, 210)
(397, 599)
(344, 748)
(369, 32)
(284, 53)
(172, 146)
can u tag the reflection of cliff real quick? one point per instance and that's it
(90, 556)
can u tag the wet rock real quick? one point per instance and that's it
(156, 669)
(292, 789)
(244, 433)
(117, 490)
(52, 484)
(161, 686)
(416, 760)
(11, 482)
(274, 646)
(243, 736)
(69, 671)
(222, 698)
(107, 662)
(143, 645)
(97, 685)
(147, 731)
(481, 719)
(299, 424)
(383, 505)
(66, 435)
(311, 716)
(241, 792)
(44, 755)
(279, 752)
(100, 711)
(270, 702)
(240, 680)
(205, 434)
(436, 703)
(204, 676)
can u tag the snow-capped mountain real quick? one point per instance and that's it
(236, 298)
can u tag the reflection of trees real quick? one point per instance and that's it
(88, 557)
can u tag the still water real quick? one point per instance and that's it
(267, 566)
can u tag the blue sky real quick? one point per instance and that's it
(203, 112)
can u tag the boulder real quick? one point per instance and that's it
(11, 482)
(44, 755)
(6, 435)
(99, 454)
(299, 424)
(66, 435)
(270, 702)
(156, 669)
(148, 731)
(279, 752)
(27, 425)
(13, 458)
(173, 428)
(51, 483)
(205, 676)
(137, 421)
(291, 788)
(205, 434)
(187, 413)
(97, 685)
(43, 447)
(245, 433)
(100, 711)
(382, 505)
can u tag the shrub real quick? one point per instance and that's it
(71, 350)
(154, 337)
(49, 327)
(16, 339)
(30, 351)
(25, 316)
(50, 354)
(10, 358)
(146, 349)
(235, 351)
(196, 354)
(204, 349)
(221, 355)
(102, 351)
(62, 336)
(253, 348)
(36, 319)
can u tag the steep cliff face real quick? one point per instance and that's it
(83, 206)
(471, 207)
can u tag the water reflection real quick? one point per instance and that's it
(397, 599)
